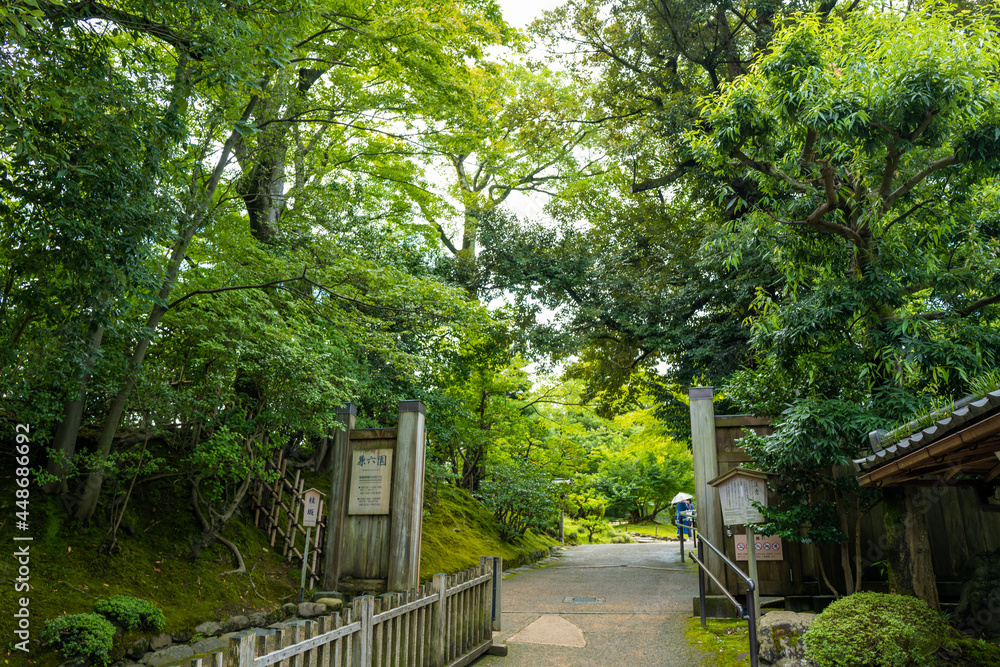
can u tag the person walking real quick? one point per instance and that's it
(683, 521)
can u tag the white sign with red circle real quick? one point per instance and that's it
(768, 547)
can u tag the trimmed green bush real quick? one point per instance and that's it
(131, 613)
(88, 636)
(875, 630)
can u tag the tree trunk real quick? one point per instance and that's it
(64, 440)
(92, 491)
(911, 571)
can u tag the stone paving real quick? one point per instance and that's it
(646, 592)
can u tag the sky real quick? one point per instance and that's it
(522, 12)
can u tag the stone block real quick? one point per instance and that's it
(172, 655)
(138, 648)
(182, 636)
(235, 624)
(209, 645)
(332, 604)
(779, 636)
(209, 629)
(160, 641)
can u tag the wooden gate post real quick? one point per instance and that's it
(407, 499)
(706, 467)
(340, 456)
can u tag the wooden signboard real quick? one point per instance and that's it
(311, 500)
(768, 547)
(737, 489)
(376, 498)
(370, 478)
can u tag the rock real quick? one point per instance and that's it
(306, 609)
(290, 608)
(182, 636)
(332, 604)
(209, 629)
(160, 641)
(275, 615)
(779, 634)
(258, 619)
(320, 595)
(124, 662)
(172, 655)
(138, 648)
(279, 626)
(235, 624)
(209, 645)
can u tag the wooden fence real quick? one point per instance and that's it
(448, 622)
(278, 511)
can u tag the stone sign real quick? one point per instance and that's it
(768, 547)
(370, 476)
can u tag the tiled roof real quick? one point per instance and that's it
(965, 412)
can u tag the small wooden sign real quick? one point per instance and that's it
(767, 547)
(371, 474)
(311, 500)
(737, 488)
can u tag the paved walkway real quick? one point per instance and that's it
(633, 604)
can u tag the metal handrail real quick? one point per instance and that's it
(749, 613)
(739, 608)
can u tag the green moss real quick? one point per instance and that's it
(725, 642)
(458, 530)
(970, 653)
(69, 575)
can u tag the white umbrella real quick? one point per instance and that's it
(681, 496)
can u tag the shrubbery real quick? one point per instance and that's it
(88, 636)
(520, 496)
(875, 630)
(131, 613)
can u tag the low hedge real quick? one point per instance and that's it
(875, 630)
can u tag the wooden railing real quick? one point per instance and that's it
(448, 622)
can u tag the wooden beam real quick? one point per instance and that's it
(992, 474)
(935, 450)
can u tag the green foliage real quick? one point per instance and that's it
(131, 613)
(521, 496)
(875, 630)
(88, 636)
(640, 476)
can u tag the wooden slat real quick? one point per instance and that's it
(288, 651)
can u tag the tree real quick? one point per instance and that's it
(642, 475)
(874, 139)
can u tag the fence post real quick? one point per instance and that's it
(497, 606)
(439, 620)
(364, 610)
(241, 650)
